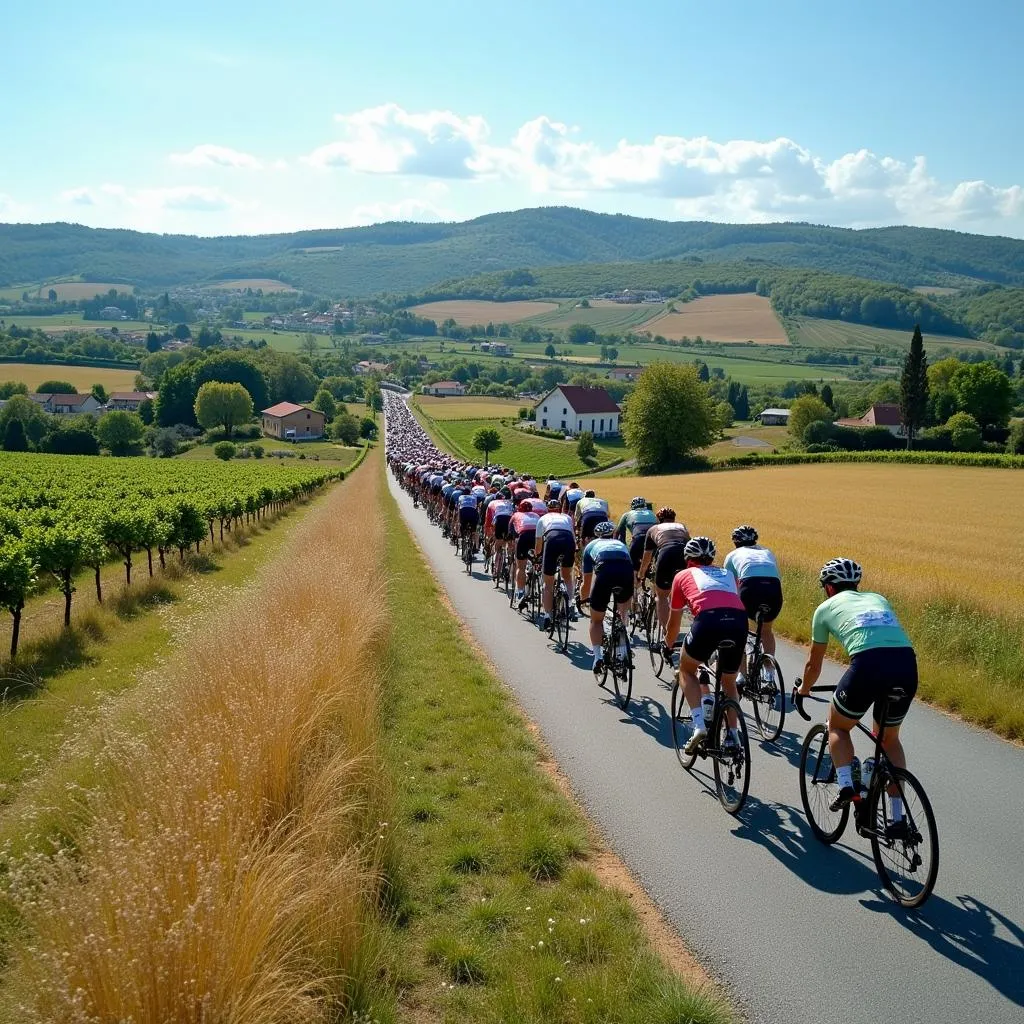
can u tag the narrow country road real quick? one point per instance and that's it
(799, 933)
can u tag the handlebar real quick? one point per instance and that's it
(798, 700)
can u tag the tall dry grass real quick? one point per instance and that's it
(230, 854)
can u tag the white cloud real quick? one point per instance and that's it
(209, 155)
(405, 209)
(78, 197)
(739, 179)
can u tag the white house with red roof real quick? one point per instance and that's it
(881, 414)
(574, 409)
(445, 389)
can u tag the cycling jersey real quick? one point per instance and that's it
(520, 493)
(604, 550)
(664, 535)
(555, 488)
(479, 492)
(524, 522)
(497, 508)
(446, 491)
(585, 505)
(859, 620)
(538, 506)
(554, 522)
(705, 588)
(749, 562)
(635, 522)
(467, 501)
(572, 497)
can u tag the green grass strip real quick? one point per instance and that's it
(497, 916)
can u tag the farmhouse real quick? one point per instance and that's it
(575, 409)
(366, 366)
(445, 389)
(291, 422)
(129, 401)
(775, 418)
(625, 372)
(66, 405)
(881, 414)
(495, 348)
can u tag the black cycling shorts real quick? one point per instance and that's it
(710, 628)
(469, 518)
(615, 576)
(587, 523)
(670, 561)
(501, 527)
(559, 550)
(436, 488)
(636, 550)
(762, 590)
(524, 543)
(871, 675)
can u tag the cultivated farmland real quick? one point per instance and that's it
(471, 311)
(727, 318)
(847, 337)
(470, 407)
(602, 314)
(943, 542)
(82, 377)
(66, 290)
(268, 284)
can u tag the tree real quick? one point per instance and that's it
(371, 391)
(550, 351)
(984, 391)
(309, 345)
(586, 449)
(120, 432)
(146, 411)
(376, 403)
(827, 397)
(72, 440)
(17, 576)
(223, 405)
(367, 428)
(742, 405)
(324, 401)
(914, 388)
(585, 304)
(63, 550)
(225, 451)
(207, 339)
(581, 334)
(486, 440)
(613, 353)
(99, 392)
(964, 432)
(806, 410)
(703, 373)
(1015, 442)
(57, 387)
(345, 428)
(182, 332)
(14, 437)
(153, 342)
(52, 295)
(669, 415)
(725, 414)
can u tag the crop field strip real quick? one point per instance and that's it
(922, 534)
(604, 316)
(82, 377)
(469, 408)
(724, 318)
(848, 337)
(466, 312)
(66, 290)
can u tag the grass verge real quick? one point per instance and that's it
(497, 914)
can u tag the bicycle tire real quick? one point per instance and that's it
(769, 700)
(918, 812)
(818, 787)
(561, 617)
(622, 668)
(732, 773)
(654, 645)
(682, 726)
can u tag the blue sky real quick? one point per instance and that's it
(222, 117)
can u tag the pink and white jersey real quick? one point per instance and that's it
(703, 587)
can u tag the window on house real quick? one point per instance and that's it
(591, 426)
(565, 412)
(544, 422)
(545, 409)
(602, 426)
(563, 424)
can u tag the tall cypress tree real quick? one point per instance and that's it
(914, 387)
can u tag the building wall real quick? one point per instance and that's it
(306, 424)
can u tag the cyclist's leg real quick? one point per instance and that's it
(662, 597)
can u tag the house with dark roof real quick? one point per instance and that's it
(574, 409)
(66, 405)
(290, 422)
(881, 414)
(129, 401)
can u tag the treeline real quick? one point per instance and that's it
(993, 313)
(31, 345)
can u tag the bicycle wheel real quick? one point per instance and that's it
(768, 695)
(655, 644)
(622, 667)
(732, 762)
(682, 726)
(561, 618)
(909, 865)
(819, 788)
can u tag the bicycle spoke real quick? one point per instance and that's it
(819, 787)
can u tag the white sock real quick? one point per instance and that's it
(896, 804)
(698, 718)
(845, 775)
(597, 650)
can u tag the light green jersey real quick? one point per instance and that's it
(859, 620)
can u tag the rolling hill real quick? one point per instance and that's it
(400, 258)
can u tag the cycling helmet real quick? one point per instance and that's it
(744, 536)
(554, 504)
(605, 529)
(589, 494)
(638, 503)
(699, 548)
(666, 515)
(525, 506)
(840, 570)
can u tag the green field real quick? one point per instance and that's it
(847, 337)
(74, 322)
(524, 452)
(322, 451)
(82, 377)
(603, 317)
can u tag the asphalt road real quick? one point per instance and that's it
(796, 931)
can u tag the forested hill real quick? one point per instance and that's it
(406, 257)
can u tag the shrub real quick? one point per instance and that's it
(964, 432)
(257, 451)
(878, 439)
(225, 450)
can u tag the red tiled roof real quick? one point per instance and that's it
(284, 409)
(884, 415)
(585, 400)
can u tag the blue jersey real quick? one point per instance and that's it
(601, 551)
(467, 501)
(572, 496)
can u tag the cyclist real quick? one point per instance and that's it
(590, 510)
(757, 574)
(496, 520)
(635, 523)
(881, 659)
(468, 517)
(555, 537)
(554, 489)
(664, 544)
(522, 532)
(606, 570)
(710, 592)
(570, 496)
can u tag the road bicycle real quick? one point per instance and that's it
(731, 761)
(906, 853)
(643, 612)
(503, 578)
(617, 655)
(468, 551)
(560, 621)
(531, 607)
(763, 685)
(488, 555)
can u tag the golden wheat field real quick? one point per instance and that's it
(728, 318)
(479, 311)
(919, 531)
(82, 377)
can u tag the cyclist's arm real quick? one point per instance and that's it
(645, 564)
(620, 530)
(675, 618)
(538, 542)
(812, 669)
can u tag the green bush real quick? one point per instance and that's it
(964, 432)
(257, 451)
(225, 450)
(1015, 442)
